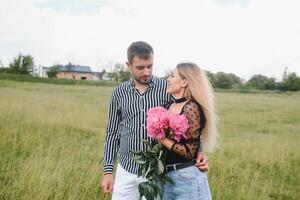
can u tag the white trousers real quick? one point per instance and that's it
(126, 185)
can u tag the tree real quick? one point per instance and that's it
(53, 71)
(211, 78)
(262, 82)
(121, 73)
(22, 64)
(235, 80)
(291, 83)
(271, 84)
(3, 69)
(226, 81)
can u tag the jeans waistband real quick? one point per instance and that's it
(177, 166)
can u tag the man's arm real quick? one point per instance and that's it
(107, 183)
(111, 146)
(112, 139)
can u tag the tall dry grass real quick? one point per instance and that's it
(51, 143)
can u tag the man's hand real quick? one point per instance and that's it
(202, 161)
(107, 183)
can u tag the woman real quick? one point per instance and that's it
(194, 99)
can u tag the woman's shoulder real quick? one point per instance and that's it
(192, 104)
(194, 109)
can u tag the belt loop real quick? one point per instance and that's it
(175, 169)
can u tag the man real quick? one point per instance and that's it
(126, 124)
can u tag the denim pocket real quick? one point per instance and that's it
(188, 173)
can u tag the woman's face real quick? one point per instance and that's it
(176, 84)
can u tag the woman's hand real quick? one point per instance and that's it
(202, 162)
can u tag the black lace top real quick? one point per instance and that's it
(186, 149)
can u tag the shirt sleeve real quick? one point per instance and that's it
(200, 148)
(112, 139)
(190, 147)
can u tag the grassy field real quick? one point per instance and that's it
(51, 143)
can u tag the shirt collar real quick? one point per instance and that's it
(152, 83)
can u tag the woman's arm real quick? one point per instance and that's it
(189, 147)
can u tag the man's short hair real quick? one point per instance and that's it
(140, 49)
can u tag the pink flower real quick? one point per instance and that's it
(157, 122)
(179, 124)
(160, 119)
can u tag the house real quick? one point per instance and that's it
(77, 72)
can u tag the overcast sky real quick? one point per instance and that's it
(243, 37)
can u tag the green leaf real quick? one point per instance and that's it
(168, 179)
(141, 189)
(144, 170)
(153, 162)
(141, 162)
(161, 166)
(157, 189)
(134, 152)
(147, 143)
(139, 172)
(160, 154)
(147, 190)
(137, 157)
(153, 169)
(148, 170)
(145, 154)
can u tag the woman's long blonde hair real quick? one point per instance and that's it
(200, 89)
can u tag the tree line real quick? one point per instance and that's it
(24, 64)
(21, 64)
(290, 81)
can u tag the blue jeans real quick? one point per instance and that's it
(189, 184)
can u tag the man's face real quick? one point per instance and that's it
(141, 69)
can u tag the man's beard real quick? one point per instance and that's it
(140, 81)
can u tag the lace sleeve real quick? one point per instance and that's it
(188, 148)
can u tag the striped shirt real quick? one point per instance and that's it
(127, 122)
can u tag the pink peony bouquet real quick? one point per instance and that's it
(159, 123)
(159, 120)
(179, 124)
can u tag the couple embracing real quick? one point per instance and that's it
(186, 92)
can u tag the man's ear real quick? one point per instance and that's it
(128, 64)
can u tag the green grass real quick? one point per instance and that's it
(51, 143)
